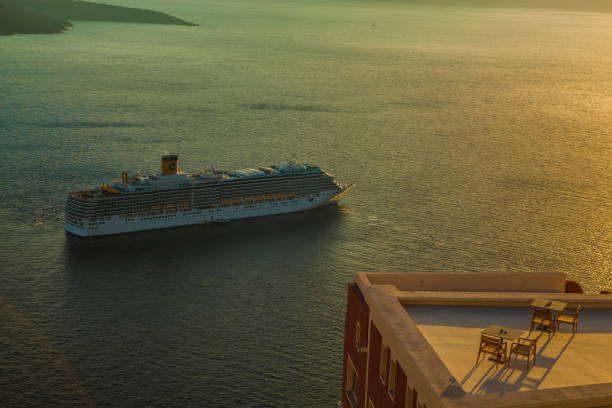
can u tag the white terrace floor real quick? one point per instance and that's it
(562, 361)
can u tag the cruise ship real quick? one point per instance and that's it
(173, 198)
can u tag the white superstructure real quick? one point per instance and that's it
(173, 199)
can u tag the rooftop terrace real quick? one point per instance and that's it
(562, 360)
(432, 324)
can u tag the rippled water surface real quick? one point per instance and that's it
(479, 140)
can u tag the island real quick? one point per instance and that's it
(18, 22)
(54, 16)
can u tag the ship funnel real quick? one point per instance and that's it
(124, 177)
(169, 164)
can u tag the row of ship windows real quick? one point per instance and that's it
(130, 217)
(102, 219)
(146, 211)
(107, 206)
(274, 189)
(238, 201)
(215, 191)
(174, 196)
(134, 200)
(142, 214)
(253, 183)
(187, 194)
(160, 217)
(267, 186)
(74, 221)
(255, 205)
(216, 194)
(138, 204)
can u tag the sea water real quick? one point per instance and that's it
(479, 140)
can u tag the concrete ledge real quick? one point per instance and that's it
(501, 299)
(471, 281)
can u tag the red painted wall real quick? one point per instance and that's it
(357, 310)
(377, 391)
(375, 385)
(400, 388)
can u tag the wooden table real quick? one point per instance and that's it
(503, 333)
(548, 304)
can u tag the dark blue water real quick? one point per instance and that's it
(479, 140)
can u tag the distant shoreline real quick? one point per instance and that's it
(587, 6)
(56, 16)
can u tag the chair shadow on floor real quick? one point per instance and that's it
(516, 375)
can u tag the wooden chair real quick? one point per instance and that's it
(524, 347)
(493, 346)
(569, 316)
(544, 319)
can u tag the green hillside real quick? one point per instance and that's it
(53, 16)
(18, 22)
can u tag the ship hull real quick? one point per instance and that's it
(119, 225)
